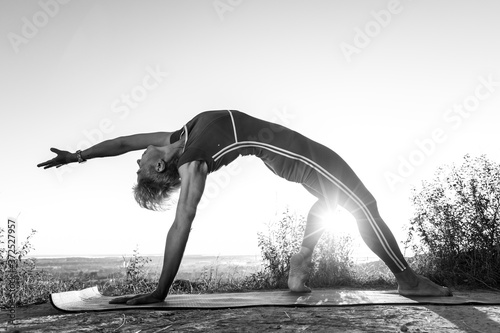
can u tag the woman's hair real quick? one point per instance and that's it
(154, 188)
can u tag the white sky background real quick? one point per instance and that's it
(266, 58)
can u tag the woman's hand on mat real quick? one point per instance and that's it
(63, 157)
(137, 299)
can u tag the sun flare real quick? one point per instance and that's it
(339, 221)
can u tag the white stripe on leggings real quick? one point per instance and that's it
(326, 174)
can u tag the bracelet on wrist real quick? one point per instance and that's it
(79, 157)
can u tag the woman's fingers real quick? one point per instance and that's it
(56, 161)
(135, 300)
(143, 299)
(44, 163)
(119, 300)
(123, 299)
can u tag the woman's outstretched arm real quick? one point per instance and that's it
(193, 176)
(113, 147)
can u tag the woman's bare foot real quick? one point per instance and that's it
(411, 284)
(299, 272)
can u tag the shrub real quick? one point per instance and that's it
(136, 279)
(282, 240)
(457, 221)
(34, 286)
(331, 262)
(217, 277)
(27, 279)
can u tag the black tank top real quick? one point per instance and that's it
(219, 137)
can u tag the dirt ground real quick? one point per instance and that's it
(44, 318)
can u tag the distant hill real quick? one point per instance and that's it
(192, 265)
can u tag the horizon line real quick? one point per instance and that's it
(48, 256)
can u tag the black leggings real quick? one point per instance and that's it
(339, 185)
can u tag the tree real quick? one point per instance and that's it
(457, 222)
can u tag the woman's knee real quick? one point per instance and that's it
(360, 207)
(321, 207)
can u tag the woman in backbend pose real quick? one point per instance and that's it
(183, 159)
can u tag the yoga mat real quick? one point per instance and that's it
(91, 299)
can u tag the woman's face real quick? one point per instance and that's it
(150, 157)
(154, 158)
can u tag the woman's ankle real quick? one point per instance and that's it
(407, 278)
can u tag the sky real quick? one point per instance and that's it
(397, 88)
